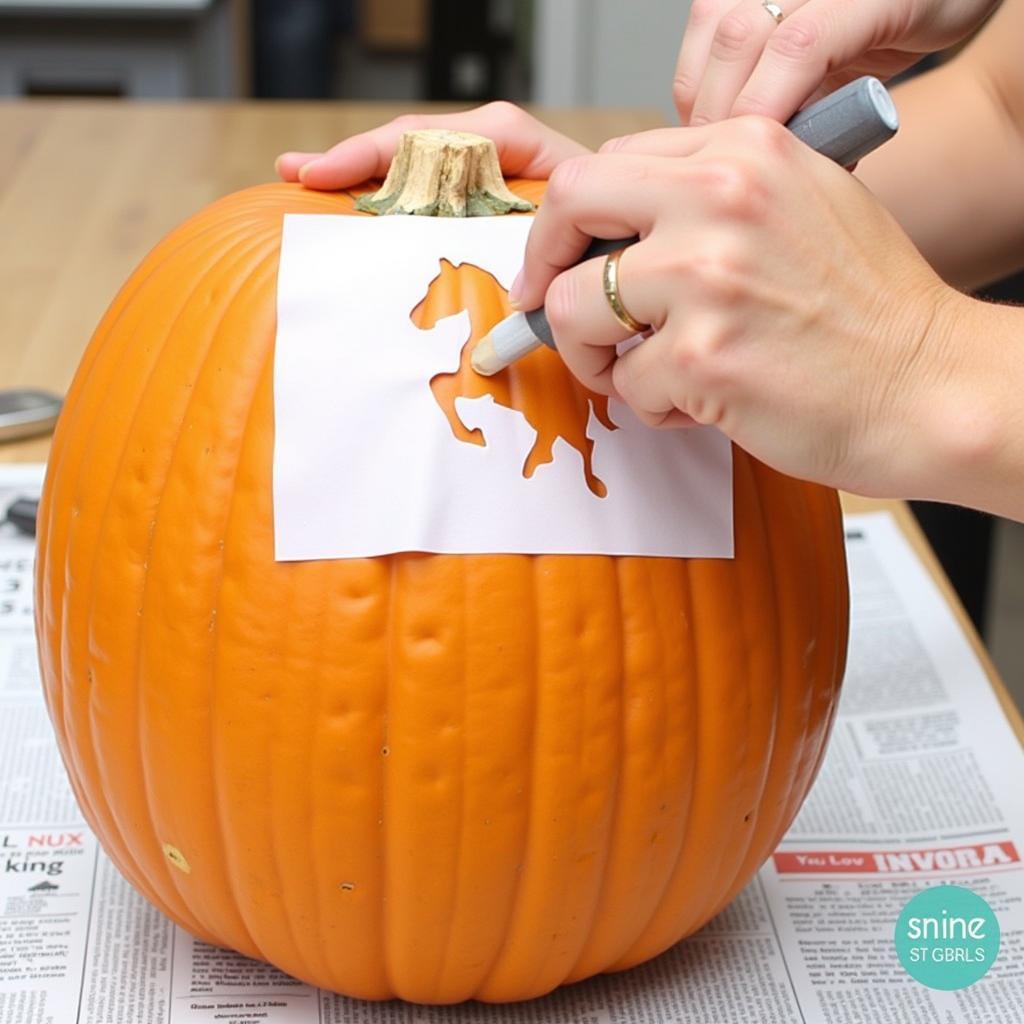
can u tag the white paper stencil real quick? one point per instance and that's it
(366, 461)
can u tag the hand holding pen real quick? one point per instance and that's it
(785, 303)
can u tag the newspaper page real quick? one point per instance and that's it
(921, 785)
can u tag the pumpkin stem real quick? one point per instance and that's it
(441, 173)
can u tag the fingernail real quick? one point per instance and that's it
(277, 165)
(516, 291)
(305, 167)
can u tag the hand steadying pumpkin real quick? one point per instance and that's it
(527, 148)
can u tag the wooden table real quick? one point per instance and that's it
(86, 188)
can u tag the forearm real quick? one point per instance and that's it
(954, 175)
(969, 424)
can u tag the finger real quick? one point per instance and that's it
(585, 329)
(693, 53)
(662, 142)
(287, 164)
(642, 378)
(606, 196)
(821, 37)
(648, 380)
(356, 159)
(737, 44)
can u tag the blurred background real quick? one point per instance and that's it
(564, 52)
(550, 53)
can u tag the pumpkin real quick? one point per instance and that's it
(435, 777)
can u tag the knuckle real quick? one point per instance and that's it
(684, 92)
(683, 84)
(719, 272)
(505, 112)
(565, 179)
(647, 418)
(733, 37)
(764, 135)
(409, 121)
(684, 356)
(715, 268)
(795, 39)
(706, 409)
(561, 303)
(675, 266)
(697, 358)
(735, 189)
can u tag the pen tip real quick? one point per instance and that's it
(484, 359)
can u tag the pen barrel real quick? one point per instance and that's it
(844, 126)
(848, 123)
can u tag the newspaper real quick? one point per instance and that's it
(922, 783)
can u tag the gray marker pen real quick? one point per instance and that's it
(844, 126)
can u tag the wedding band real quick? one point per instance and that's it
(774, 10)
(610, 280)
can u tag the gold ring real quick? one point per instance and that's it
(774, 10)
(610, 280)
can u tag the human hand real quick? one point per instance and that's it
(787, 306)
(735, 59)
(527, 148)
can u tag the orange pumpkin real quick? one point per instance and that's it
(432, 777)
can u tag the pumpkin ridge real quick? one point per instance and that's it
(627, 957)
(127, 853)
(243, 252)
(756, 681)
(590, 725)
(840, 625)
(811, 733)
(748, 863)
(215, 754)
(675, 683)
(64, 430)
(806, 498)
(600, 899)
(757, 677)
(501, 954)
(726, 591)
(768, 807)
(444, 961)
(388, 828)
(320, 883)
(509, 963)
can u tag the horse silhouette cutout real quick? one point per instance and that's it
(539, 386)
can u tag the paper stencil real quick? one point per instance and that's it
(381, 445)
